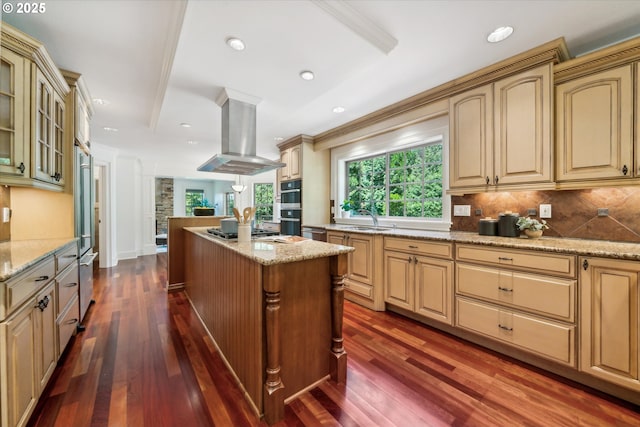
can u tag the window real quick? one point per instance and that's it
(403, 183)
(229, 203)
(192, 199)
(263, 201)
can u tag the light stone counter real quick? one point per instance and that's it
(17, 256)
(269, 253)
(582, 247)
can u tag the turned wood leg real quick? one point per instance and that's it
(273, 387)
(339, 359)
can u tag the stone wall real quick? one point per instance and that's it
(574, 212)
(164, 203)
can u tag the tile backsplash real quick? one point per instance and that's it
(574, 212)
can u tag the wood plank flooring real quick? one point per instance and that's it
(145, 360)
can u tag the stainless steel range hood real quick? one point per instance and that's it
(238, 151)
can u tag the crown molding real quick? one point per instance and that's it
(296, 140)
(75, 79)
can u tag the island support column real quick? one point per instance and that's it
(339, 359)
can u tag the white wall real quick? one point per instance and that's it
(105, 157)
(128, 207)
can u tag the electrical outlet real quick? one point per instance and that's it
(6, 214)
(603, 211)
(532, 212)
(461, 210)
(478, 212)
(545, 211)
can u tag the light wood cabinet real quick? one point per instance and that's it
(500, 134)
(29, 357)
(610, 320)
(292, 157)
(526, 299)
(15, 101)
(34, 149)
(417, 281)
(49, 140)
(594, 126)
(364, 273)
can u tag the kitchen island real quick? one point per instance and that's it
(274, 310)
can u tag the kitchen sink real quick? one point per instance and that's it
(365, 228)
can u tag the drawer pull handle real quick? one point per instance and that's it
(505, 289)
(71, 321)
(413, 247)
(505, 328)
(69, 256)
(504, 258)
(41, 278)
(70, 285)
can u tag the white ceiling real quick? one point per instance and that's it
(164, 62)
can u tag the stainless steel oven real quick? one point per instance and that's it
(291, 194)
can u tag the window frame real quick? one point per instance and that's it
(403, 138)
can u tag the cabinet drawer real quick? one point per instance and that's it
(67, 323)
(359, 288)
(562, 265)
(29, 282)
(67, 287)
(419, 247)
(544, 295)
(552, 340)
(65, 257)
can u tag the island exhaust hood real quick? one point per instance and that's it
(238, 151)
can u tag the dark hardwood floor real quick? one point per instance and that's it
(145, 360)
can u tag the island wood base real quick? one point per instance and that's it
(278, 326)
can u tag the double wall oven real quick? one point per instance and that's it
(291, 207)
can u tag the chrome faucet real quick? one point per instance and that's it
(371, 213)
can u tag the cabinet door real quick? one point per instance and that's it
(335, 238)
(594, 126)
(283, 172)
(433, 283)
(43, 129)
(471, 135)
(360, 260)
(295, 162)
(21, 383)
(522, 118)
(58, 142)
(14, 114)
(46, 336)
(610, 320)
(398, 280)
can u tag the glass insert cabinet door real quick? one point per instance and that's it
(49, 133)
(14, 108)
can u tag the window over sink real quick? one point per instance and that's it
(401, 174)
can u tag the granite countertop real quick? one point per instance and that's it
(582, 247)
(17, 256)
(267, 252)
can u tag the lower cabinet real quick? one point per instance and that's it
(29, 338)
(610, 320)
(362, 284)
(419, 283)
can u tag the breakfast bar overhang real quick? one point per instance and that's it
(274, 311)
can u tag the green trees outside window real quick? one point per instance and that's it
(406, 183)
(263, 202)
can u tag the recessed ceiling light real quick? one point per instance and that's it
(185, 125)
(100, 101)
(192, 142)
(499, 34)
(338, 110)
(307, 75)
(278, 138)
(108, 129)
(235, 43)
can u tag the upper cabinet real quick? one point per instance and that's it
(500, 134)
(34, 148)
(15, 78)
(291, 156)
(595, 118)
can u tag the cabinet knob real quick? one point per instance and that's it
(585, 264)
(488, 180)
(56, 176)
(415, 260)
(410, 259)
(495, 182)
(625, 170)
(21, 168)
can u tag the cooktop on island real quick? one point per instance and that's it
(256, 232)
